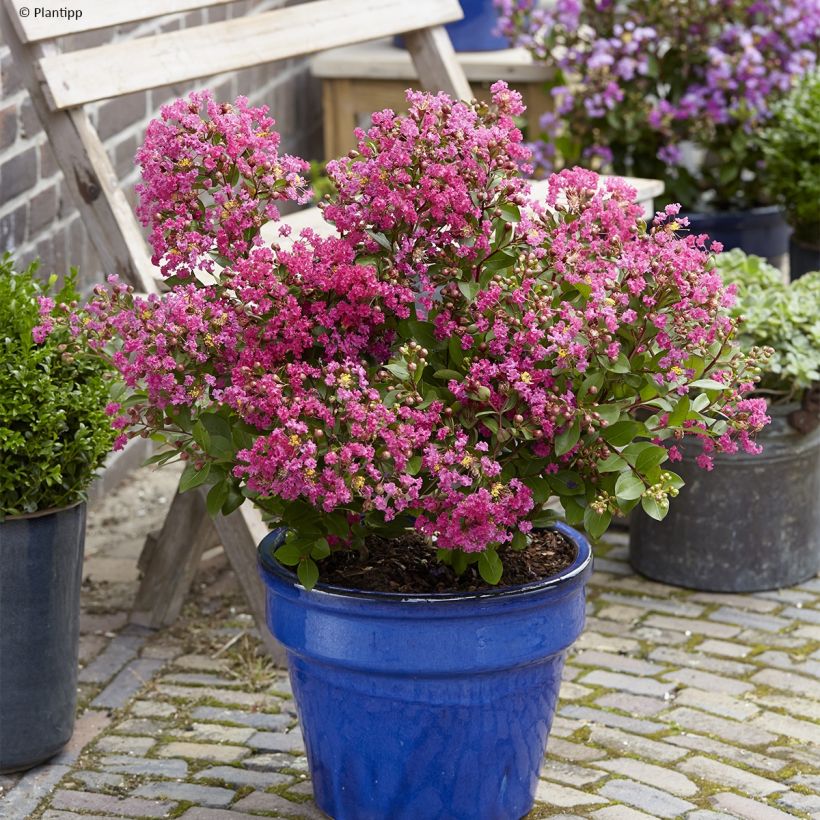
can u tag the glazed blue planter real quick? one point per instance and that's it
(476, 30)
(759, 231)
(41, 564)
(428, 707)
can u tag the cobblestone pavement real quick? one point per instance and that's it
(675, 705)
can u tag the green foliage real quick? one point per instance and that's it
(320, 181)
(791, 145)
(785, 317)
(54, 432)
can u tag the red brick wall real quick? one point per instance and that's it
(37, 214)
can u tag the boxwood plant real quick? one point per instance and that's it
(54, 430)
(447, 361)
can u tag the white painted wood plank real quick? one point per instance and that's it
(95, 14)
(135, 65)
(436, 64)
(381, 60)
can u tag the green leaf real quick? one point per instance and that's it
(336, 524)
(490, 567)
(398, 369)
(651, 457)
(519, 540)
(413, 465)
(446, 375)
(541, 489)
(308, 573)
(655, 509)
(708, 384)
(574, 512)
(233, 501)
(629, 487)
(620, 365)
(288, 554)
(612, 464)
(469, 290)
(191, 477)
(610, 413)
(596, 523)
(623, 432)
(321, 549)
(678, 414)
(456, 351)
(217, 496)
(568, 438)
(509, 212)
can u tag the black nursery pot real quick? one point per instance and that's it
(41, 562)
(751, 524)
(803, 258)
(759, 231)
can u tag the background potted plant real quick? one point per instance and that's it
(54, 434)
(403, 398)
(791, 147)
(676, 91)
(759, 516)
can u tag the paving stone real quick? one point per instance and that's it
(569, 773)
(241, 777)
(88, 726)
(110, 622)
(733, 731)
(565, 727)
(227, 696)
(717, 703)
(666, 606)
(730, 650)
(201, 663)
(782, 660)
(567, 750)
(32, 787)
(115, 744)
(629, 683)
(53, 814)
(808, 781)
(750, 620)
(810, 755)
(789, 682)
(736, 754)
(655, 635)
(564, 797)
(204, 751)
(90, 647)
(724, 775)
(748, 809)
(616, 663)
(650, 774)
(127, 683)
(696, 660)
(264, 801)
(708, 681)
(791, 727)
(201, 679)
(276, 761)
(731, 599)
(211, 796)
(119, 652)
(144, 766)
(119, 806)
(755, 638)
(98, 781)
(620, 613)
(622, 743)
(573, 691)
(607, 643)
(141, 726)
(620, 813)
(199, 813)
(810, 616)
(215, 733)
(152, 708)
(634, 704)
(809, 633)
(603, 718)
(654, 801)
(278, 741)
(258, 720)
(165, 653)
(808, 803)
(690, 627)
(705, 814)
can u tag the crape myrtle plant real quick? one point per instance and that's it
(673, 89)
(448, 361)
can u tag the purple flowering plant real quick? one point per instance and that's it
(669, 89)
(450, 359)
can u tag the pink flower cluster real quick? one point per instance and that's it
(453, 357)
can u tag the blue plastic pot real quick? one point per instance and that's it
(476, 30)
(759, 231)
(41, 564)
(429, 707)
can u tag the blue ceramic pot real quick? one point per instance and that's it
(41, 564)
(428, 707)
(759, 231)
(475, 31)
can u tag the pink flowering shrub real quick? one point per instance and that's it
(451, 359)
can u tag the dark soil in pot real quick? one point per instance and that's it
(408, 564)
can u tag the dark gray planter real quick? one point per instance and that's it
(803, 258)
(753, 523)
(41, 562)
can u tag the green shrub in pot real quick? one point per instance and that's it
(759, 514)
(54, 433)
(791, 147)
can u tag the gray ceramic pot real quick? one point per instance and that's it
(753, 523)
(41, 562)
